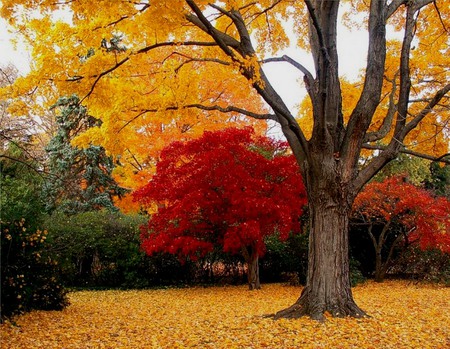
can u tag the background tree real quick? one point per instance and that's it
(226, 188)
(18, 127)
(80, 179)
(192, 57)
(397, 214)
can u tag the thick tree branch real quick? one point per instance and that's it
(387, 122)
(362, 115)
(401, 127)
(393, 7)
(405, 80)
(223, 40)
(318, 29)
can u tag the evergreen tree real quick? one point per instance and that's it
(80, 179)
(439, 182)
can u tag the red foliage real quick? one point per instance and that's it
(227, 188)
(415, 209)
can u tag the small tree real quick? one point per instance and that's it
(228, 188)
(396, 212)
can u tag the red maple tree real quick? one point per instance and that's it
(228, 188)
(396, 211)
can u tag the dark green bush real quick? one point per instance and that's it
(284, 260)
(30, 276)
(99, 249)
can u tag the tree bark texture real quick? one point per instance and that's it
(252, 259)
(328, 281)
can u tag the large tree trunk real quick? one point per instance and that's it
(328, 281)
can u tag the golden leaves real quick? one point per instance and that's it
(404, 315)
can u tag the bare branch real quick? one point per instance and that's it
(192, 59)
(441, 158)
(39, 172)
(140, 51)
(175, 43)
(424, 112)
(106, 72)
(227, 109)
(440, 16)
(234, 109)
(286, 58)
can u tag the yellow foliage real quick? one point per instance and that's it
(146, 93)
(403, 316)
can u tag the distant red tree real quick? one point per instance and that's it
(228, 188)
(396, 211)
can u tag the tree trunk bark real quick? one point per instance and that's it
(252, 260)
(328, 281)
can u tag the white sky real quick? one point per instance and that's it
(8, 53)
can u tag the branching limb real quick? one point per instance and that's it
(387, 122)
(286, 58)
(428, 108)
(317, 27)
(39, 172)
(223, 40)
(441, 158)
(227, 109)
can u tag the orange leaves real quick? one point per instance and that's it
(412, 208)
(403, 316)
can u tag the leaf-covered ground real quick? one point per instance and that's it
(404, 315)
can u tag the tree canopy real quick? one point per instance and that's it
(227, 189)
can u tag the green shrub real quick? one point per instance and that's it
(285, 260)
(100, 249)
(30, 276)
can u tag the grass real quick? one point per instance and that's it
(403, 315)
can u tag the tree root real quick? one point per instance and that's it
(316, 311)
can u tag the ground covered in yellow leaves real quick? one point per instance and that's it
(403, 315)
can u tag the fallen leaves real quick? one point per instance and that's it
(403, 315)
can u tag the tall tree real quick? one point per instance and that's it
(228, 189)
(186, 57)
(80, 179)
